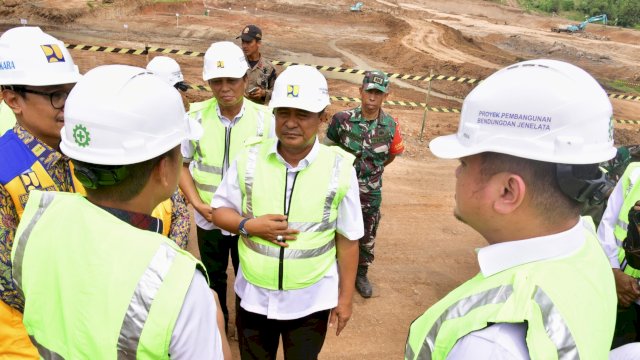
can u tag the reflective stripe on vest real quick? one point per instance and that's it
(324, 225)
(631, 194)
(553, 322)
(301, 226)
(274, 252)
(142, 298)
(210, 166)
(45, 201)
(44, 352)
(311, 207)
(144, 305)
(540, 294)
(141, 301)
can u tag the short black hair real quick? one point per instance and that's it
(542, 186)
(126, 189)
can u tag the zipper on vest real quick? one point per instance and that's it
(227, 145)
(287, 208)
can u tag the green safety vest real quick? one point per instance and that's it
(7, 118)
(218, 146)
(630, 195)
(317, 191)
(569, 305)
(96, 287)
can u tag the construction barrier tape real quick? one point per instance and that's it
(148, 50)
(461, 80)
(624, 97)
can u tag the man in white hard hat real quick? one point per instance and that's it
(296, 204)
(261, 75)
(124, 290)
(36, 75)
(228, 120)
(529, 142)
(168, 69)
(173, 212)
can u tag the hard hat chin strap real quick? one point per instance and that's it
(94, 177)
(580, 189)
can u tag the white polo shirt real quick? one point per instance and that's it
(323, 295)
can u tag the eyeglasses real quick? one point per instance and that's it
(57, 98)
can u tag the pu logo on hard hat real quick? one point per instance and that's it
(378, 80)
(220, 64)
(293, 90)
(53, 53)
(81, 135)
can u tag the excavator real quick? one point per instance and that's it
(580, 27)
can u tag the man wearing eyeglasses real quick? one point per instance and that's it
(36, 75)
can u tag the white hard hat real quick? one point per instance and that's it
(167, 68)
(544, 110)
(28, 56)
(301, 87)
(224, 59)
(121, 115)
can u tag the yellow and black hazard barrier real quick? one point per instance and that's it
(629, 122)
(350, 99)
(624, 97)
(150, 49)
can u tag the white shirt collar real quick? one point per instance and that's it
(502, 256)
(226, 121)
(311, 156)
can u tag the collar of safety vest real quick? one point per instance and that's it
(230, 121)
(138, 220)
(503, 256)
(311, 156)
(45, 153)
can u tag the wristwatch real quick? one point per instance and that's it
(241, 230)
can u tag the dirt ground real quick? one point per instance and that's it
(422, 251)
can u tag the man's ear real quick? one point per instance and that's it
(511, 191)
(162, 171)
(12, 99)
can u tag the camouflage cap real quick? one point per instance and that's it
(376, 79)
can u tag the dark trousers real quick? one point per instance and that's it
(627, 326)
(214, 252)
(301, 338)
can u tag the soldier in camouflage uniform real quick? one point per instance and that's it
(261, 75)
(373, 137)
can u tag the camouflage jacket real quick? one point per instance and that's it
(369, 141)
(262, 74)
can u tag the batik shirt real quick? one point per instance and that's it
(57, 166)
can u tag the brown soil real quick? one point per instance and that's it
(422, 252)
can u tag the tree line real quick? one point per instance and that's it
(625, 13)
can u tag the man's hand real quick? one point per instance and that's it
(269, 227)
(258, 94)
(205, 210)
(341, 313)
(626, 287)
